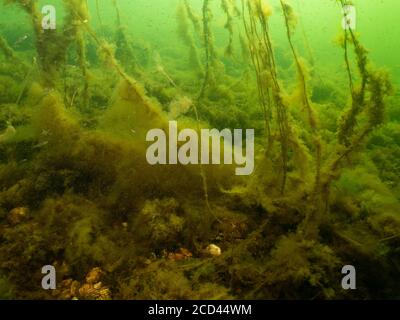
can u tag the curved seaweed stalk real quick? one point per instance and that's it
(376, 86)
(367, 99)
(11, 55)
(358, 94)
(6, 49)
(304, 35)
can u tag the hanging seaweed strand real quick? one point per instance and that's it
(270, 93)
(186, 36)
(263, 92)
(193, 17)
(77, 34)
(125, 52)
(208, 49)
(227, 7)
(312, 118)
(209, 54)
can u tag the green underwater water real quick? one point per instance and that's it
(77, 192)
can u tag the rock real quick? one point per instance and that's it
(63, 290)
(8, 133)
(74, 289)
(181, 254)
(94, 292)
(17, 215)
(94, 289)
(213, 250)
(87, 291)
(98, 285)
(94, 275)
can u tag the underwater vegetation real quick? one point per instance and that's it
(76, 191)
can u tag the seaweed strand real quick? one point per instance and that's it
(313, 122)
